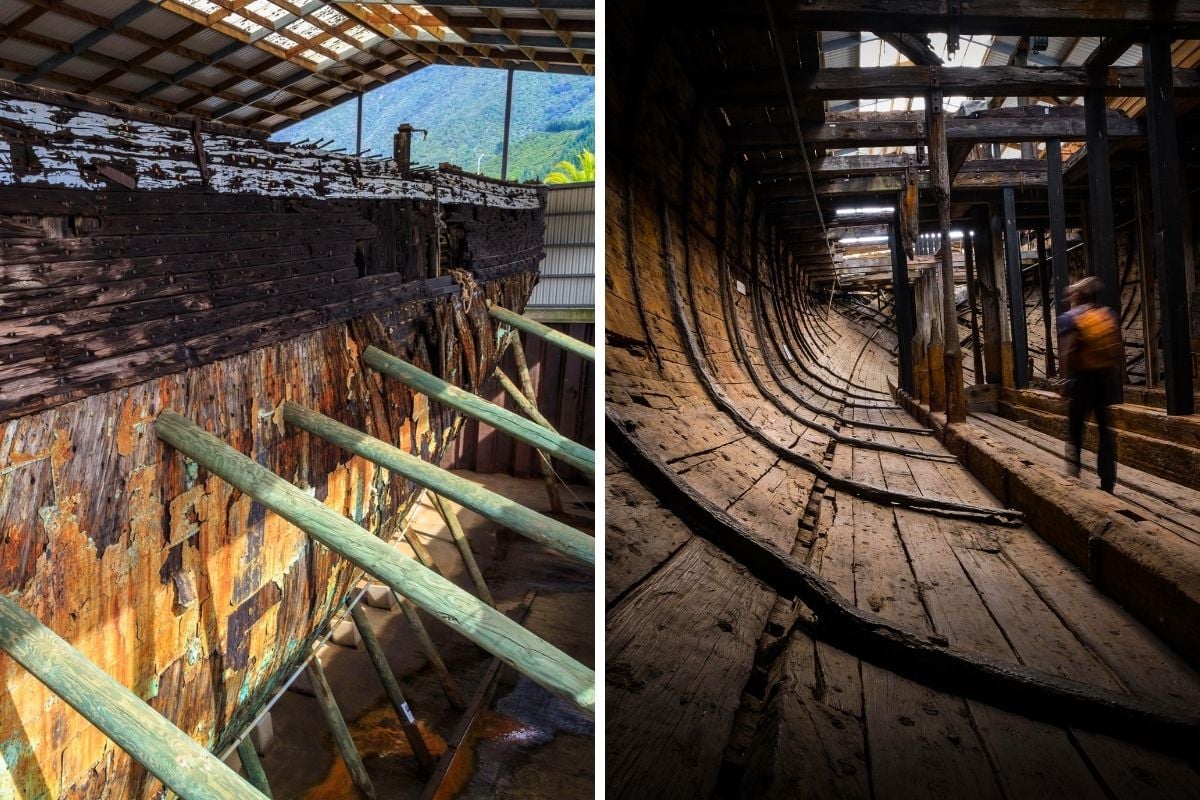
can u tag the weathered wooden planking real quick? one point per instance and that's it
(679, 651)
(639, 534)
(52, 145)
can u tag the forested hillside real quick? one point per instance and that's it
(463, 110)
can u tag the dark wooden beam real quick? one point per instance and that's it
(1058, 222)
(1168, 226)
(1044, 281)
(1102, 244)
(1110, 49)
(871, 133)
(972, 301)
(765, 87)
(1016, 292)
(903, 303)
(1001, 17)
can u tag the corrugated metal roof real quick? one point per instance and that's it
(339, 47)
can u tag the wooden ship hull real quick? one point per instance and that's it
(814, 585)
(151, 264)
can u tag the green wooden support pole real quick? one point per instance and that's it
(338, 729)
(168, 753)
(543, 461)
(474, 406)
(539, 527)
(392, 687)
(532, 656)
(449, 685)
(464, 548)
(252, 766)
(533, 328)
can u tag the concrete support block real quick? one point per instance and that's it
(345, 634)
(380, 596)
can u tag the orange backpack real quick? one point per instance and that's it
(1099, 341)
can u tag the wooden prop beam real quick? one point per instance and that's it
(939, 159)
(533, 657)
(542, 529)
(534, 328)
(765, 86)
(476, 407)
(1058, 223)
(252, 766)
(526, 405)
(338, 729)
(449, 685)
(972, 301)
(168, 753)
(1168, 203)
(464, 548)
(392, 687)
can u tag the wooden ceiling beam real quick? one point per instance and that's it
(765, 86)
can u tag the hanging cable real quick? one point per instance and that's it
(795, 114)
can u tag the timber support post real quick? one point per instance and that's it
(531, 655)
(1145, 244)
(1102, 245)
(902, 304)
(543, 332)
(526, 400)
(149, 738)
(392, 687)
(252, 766)
(449, 685)
(972, 301)
(1016, 292)
(956, 404)
(464, 548)
(1168, 224)
(338, 729)
(539, 527)
(1058, 225)
(1044, 288)
(516, 426)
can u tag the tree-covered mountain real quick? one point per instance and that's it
(553, 118)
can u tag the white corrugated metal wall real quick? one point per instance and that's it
(568, 273)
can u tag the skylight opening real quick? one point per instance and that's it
(864, 210)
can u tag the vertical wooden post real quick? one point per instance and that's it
(1016, 291)
(972, 300)
(1168, 223)
(1145, 241)
(464, 548)
(1044, 287)
(449, 685)
(956, 403)
(989, 293)
(507, 125)
(1102, 244)
(902, 304)
(358, 126)
(937, 342)
(392, 687)
(338, 729)
(1058, 224)
(529, 394)
(253, 767)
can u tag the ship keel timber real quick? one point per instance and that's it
(148, 266)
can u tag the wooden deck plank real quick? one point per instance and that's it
(680, 648)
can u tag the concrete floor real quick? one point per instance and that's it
(529, 743)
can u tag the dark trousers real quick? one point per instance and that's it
(1090, 393)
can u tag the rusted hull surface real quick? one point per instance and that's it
(116, 304)
(181, 587)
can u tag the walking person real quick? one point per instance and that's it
(1090, 345)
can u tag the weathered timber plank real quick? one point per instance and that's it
(679, 651)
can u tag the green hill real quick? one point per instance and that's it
(463, 110)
